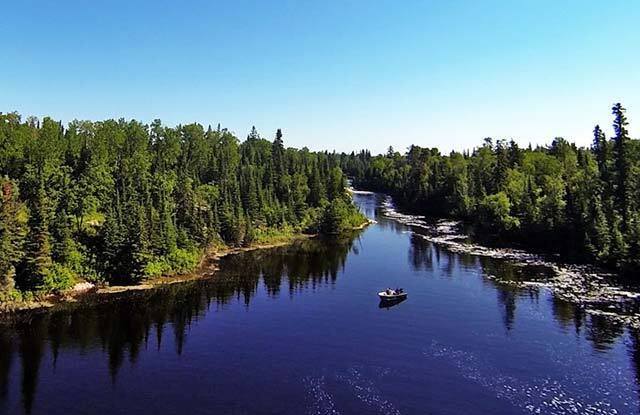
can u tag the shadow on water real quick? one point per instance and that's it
(121, 326)
(505, 278)
(391, 303)
(602, 332)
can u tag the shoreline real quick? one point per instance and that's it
(207, 268)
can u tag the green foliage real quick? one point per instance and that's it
(581, 202)
(265, 236)
(157, 268)
(494, 213)
(57, 278)
(38, 260)
(180, 261)
(15, 296)
(118, 200)
(12, 232)
(339, 216)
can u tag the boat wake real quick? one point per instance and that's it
(321, 401)
(352, 382)
(540, 396)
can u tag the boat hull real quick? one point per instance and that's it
(391, 297)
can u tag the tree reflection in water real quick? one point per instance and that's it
(505, 277)
(120, 326)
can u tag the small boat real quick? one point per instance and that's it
(390, 295)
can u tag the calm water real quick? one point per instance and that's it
(299, 330)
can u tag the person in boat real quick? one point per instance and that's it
(388, 291)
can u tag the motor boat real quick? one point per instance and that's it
(392, 295)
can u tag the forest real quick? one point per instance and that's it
(117, 201)
(580, 203)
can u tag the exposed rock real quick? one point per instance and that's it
(82, 287)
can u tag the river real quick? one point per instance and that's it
(299, 330)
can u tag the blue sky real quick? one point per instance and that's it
(338, 75)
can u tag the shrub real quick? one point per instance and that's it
(57, 278)
(495, 213)
(156, 268)
(182, 260)
(338, 216)
(15, 295)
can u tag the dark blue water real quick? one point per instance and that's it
(299, 330)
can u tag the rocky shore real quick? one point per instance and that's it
(592, 289)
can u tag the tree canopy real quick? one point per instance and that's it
(583, 203)
(119, 200)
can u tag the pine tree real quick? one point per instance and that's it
(622, 162)
(250, 232)
(11, 237)
(317, 190)
(633, 255)
(38, 246)
(62, 241)
(515, 154)
(599, 147)
(502, 165)
(599, 234)
(113, 238)
(278, 157)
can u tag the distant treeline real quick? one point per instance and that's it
(583, 203)
(118, 200)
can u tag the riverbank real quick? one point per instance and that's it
(207, 267)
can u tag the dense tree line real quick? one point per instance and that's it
(118, 200)
(581, 202)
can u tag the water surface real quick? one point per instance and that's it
(299, 330)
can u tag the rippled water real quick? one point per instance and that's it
(299, 330)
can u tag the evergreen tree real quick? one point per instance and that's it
(622, 163)
(38, 245)
(11, 237)
(599, 234)
(502, 164)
